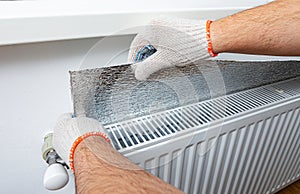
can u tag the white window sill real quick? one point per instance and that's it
(29, 22)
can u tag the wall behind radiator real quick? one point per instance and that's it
(34, 84)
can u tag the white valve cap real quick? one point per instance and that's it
(55, 177)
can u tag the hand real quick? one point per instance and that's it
(68, 129)
(178, 42)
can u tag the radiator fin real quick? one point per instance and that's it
(256, 158)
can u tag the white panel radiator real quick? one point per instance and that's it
(247, 142)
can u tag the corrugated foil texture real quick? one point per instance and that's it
(112, 94)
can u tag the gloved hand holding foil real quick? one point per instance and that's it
(181, 41)
(178, 42)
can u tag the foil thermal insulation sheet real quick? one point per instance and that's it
(112, 94)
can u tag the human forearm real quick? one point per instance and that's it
(100, 169)
(271, 29)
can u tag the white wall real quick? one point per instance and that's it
(35, 90)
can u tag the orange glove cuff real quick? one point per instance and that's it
(80, 139)
(209, 43)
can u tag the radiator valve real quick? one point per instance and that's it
(56, 176)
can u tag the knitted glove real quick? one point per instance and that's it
(178, 42)
(69, 132)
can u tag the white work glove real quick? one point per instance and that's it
(178, 42)
(68, 129)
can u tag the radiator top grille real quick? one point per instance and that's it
(155, 127)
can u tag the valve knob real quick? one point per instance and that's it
(55, 177)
